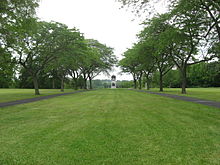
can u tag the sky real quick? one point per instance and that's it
(102, 20)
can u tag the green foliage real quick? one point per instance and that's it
(171, 80)
(45, 81)
(6, 69)
(107, 84)
(204, 75)
(154, 36)
(99, 58)
(70, 47)
(12, 13)
(124, 84)
(46, 51)
(178, 37)
(199, 75)
(37, 46)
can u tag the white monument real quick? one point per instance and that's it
(113, 81)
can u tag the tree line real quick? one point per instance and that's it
(186, 35)
(38, 51)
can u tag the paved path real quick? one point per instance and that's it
(30, 100)
(186, 98)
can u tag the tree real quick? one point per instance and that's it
(187, 43)
(172, 79)
(208, 13)
(179, 41)
(206, 10)
(147, 60)
(76, 59)
(6, 69)
(12, 13)
(141, 7)
(204, 75)
(131, 64)
(153, 38)
(99, 59)
(71, 43)
(36, 47)
(181, 36)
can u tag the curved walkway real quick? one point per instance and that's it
(186, 98)
(30, 100)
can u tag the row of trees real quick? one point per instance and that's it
(107, 83)
(47, 49)
(188, 34)
(198, 75)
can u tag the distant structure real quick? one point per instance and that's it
(113, 83)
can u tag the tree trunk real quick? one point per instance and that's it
(148, 86)
(140, 84)
(140, 81)
(36, 88)
(62, 84)
(75, 83)
(90, 82)
(85, 83)
(161, 81)
(53, 83)
(183, 76)
(135, 84)
(148, 83)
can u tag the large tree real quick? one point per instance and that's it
(187, 46)
(12, 13)
(131, 63)
(145, 54)
(152, 37)
(100, 58)
(36, 47)
(192, 35)
(71, 45)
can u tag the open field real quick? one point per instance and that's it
(202, 93)
(110, 127)
(19, 94)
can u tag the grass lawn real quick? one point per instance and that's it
(112, 127)
(19, 94)
(202, 93)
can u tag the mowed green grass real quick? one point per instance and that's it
(202, 93)
(112, 127)
(7, 95)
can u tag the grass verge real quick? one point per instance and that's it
(7, 95)
(202, 93)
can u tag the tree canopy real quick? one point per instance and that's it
(187, 34)
(34, 50)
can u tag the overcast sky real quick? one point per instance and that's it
(102, 20)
